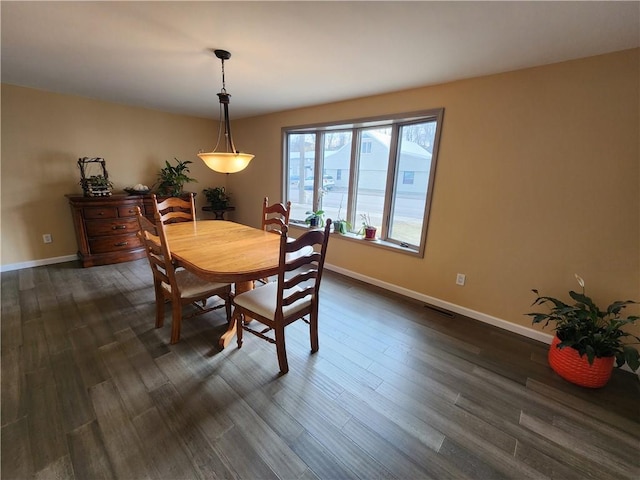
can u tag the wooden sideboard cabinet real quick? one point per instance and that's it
(106, 228)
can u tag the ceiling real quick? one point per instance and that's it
(290, 54)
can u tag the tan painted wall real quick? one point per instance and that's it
(44, 134)
(538, 178)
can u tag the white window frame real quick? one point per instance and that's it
(395, 122)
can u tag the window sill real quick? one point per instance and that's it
(377, 243)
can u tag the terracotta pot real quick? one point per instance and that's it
(574, 368)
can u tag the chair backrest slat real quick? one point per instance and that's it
(299, 262)
(300, 278)
(297, 295)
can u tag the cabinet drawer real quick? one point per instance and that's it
(117, 226)
(114, 243)
(100, 212)
(129, 210)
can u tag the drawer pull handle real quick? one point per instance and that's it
(121, 244)
(100, 213)
(119, 227)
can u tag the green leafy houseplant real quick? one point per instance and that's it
(366, 222)
(98, 181)
(368, 229)
(341, 226)
(172, 178)
(315, 219)
(592, 332)
(217, 197)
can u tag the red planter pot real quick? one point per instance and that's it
(568, 363)
(370, 233)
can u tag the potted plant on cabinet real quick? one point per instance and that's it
(172, 178)
(588, 340)
(315, 218)
(217, 198)
(368, 228)
(94, 184)
(97, 186)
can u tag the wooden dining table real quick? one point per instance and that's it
(224, 251)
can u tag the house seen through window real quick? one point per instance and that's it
(382, 168)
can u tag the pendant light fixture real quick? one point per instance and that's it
(230, 160)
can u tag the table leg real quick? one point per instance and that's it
(230, 334)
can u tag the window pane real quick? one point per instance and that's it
(335, 179)
(412, 182)
(373, 165)
(301, 160)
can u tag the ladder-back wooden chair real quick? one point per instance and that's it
(293, 296)
(180, 287)
(175, 209)
(275, 216)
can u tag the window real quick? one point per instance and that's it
(384, 168)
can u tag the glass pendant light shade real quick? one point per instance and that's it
(224, 162)
(231, 160)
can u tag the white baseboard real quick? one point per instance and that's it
(451, 307)
(37, 263)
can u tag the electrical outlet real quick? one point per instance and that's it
(46, 238)
(460, 279)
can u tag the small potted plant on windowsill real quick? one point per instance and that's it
(315, 218)
(587, 339)
(341, 226)
(368, 228)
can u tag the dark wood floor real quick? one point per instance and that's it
(91, 390)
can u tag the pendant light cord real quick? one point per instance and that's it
(220, 116)
(224, 109)
(224, 90)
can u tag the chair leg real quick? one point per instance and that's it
(280, 348)
(159, 305)
(238, 318)
(227, 307)
(313, 332)
(176, 320)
